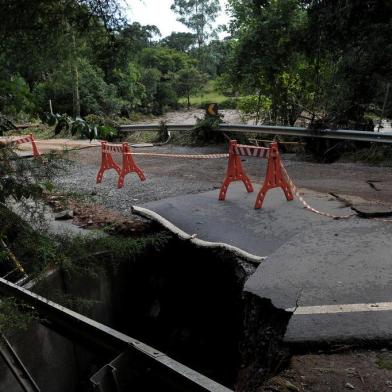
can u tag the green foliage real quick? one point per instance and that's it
(151, 78)
(354, 37)
(24, 181)
(267, 56)
(84, 255)
(130, 88)
(256, 107)
(223, 84)
(319, 57)
(96, 96)
(67, 53)
(204, 130)
(181, 42)
(96, 128)
(198, 16)
(22, 178)
(5, 125)
(189, 81)
(161, 66)
(165, 60)
(15, 316)
(15, 96)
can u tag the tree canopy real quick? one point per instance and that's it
(328, 61)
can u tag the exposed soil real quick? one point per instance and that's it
(95, 216)
(363, 371)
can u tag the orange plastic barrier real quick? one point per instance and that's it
(273, 179)
(128, 164)
(27, 139)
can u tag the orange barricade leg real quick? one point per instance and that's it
(129, 166)
(235, 172)
(106, 163)
(274, 177)
(34, 146)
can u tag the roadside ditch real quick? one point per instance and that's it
(181, 298)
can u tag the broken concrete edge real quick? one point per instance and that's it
(335, 345)
(263, 352)
(151, 215)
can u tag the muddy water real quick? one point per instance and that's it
(189, 117)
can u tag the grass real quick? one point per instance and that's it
(384, 361)
(207, 95)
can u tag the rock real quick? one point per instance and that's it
(64, 215)
(290, 386)
(349, 386)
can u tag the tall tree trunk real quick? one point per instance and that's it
(76, 96)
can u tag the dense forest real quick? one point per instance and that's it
(281, 60)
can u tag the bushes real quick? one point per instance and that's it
(94, 127)
(15, 96)
(254, 107)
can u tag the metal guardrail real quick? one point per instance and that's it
(340, 134)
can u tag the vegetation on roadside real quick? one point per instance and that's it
(281, 61)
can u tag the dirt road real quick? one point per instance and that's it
(178, 176)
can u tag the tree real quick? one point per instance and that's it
(198, 16)
(96, 96)
(162, 65)
(268, 59)
(179, 41)
(189, 81)
(354, 36)
(130, 87)
(165, 59)
(36, 37)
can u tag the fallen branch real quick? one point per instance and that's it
(12, 257)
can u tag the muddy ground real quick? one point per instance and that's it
(102, 204)
(364, 371)
(189, 117)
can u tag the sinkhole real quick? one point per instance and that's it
(184, 300)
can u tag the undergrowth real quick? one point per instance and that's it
(375, 154)
(80, 256)
(15, 316)
(86, 255)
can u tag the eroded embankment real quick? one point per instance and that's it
(185, 299)
(188, 301)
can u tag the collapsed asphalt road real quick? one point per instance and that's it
(321, 267)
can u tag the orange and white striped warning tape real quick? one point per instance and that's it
(23, 139)
(251, 151)
(108, 148)
(190, 156)
(306, 204)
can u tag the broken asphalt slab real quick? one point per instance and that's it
(336, 278)
(235, 221)
(317, 267)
